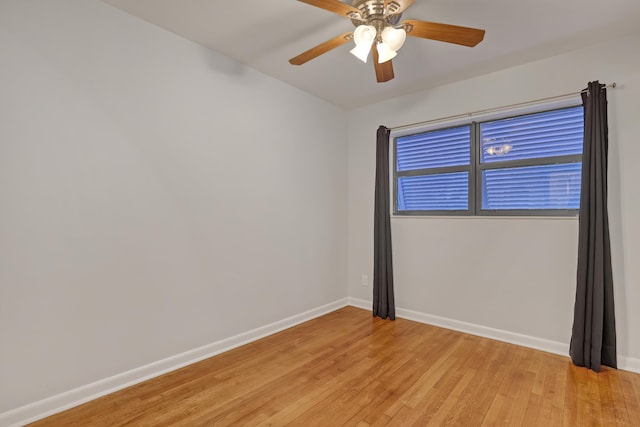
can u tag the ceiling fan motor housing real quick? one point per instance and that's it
(372, 12)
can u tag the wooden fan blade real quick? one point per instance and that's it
(321, 48)
(399, 7)
(384, 72)
(335, 6)
(443, 32)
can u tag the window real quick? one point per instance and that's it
(523, 165)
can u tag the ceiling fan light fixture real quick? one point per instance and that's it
(394, 37)
(385, 53)
(363, 36)
(379, 22)
(361, 52)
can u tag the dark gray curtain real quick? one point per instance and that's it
(383, 303)
(593, 338)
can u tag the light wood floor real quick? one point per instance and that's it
(347, 368)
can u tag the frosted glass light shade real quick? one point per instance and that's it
(363, 36)
(385, 53)
(361, 52)
(394, 37)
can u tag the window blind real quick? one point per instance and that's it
(547, 134)
(441, 148)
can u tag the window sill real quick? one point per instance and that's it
(486, 217)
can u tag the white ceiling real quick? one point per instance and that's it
(264, 34)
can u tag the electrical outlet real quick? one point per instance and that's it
(364, 280)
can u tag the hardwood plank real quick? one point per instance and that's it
(488, 379)
(557, 414)
(631, 397)
(405, 375)
(548, 393)
(347, 368)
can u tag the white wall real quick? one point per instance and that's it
(154, 197)
(516, 275)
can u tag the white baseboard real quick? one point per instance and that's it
(487, 332)
(360, 303)
(629, 364)
(625, 363)
(58, 403)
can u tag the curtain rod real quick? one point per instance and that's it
(491, 110)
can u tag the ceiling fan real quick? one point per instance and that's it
(378, 28)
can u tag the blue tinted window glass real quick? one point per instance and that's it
(547, 134)
(532, 187)
(440, 148)
(440, 192)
